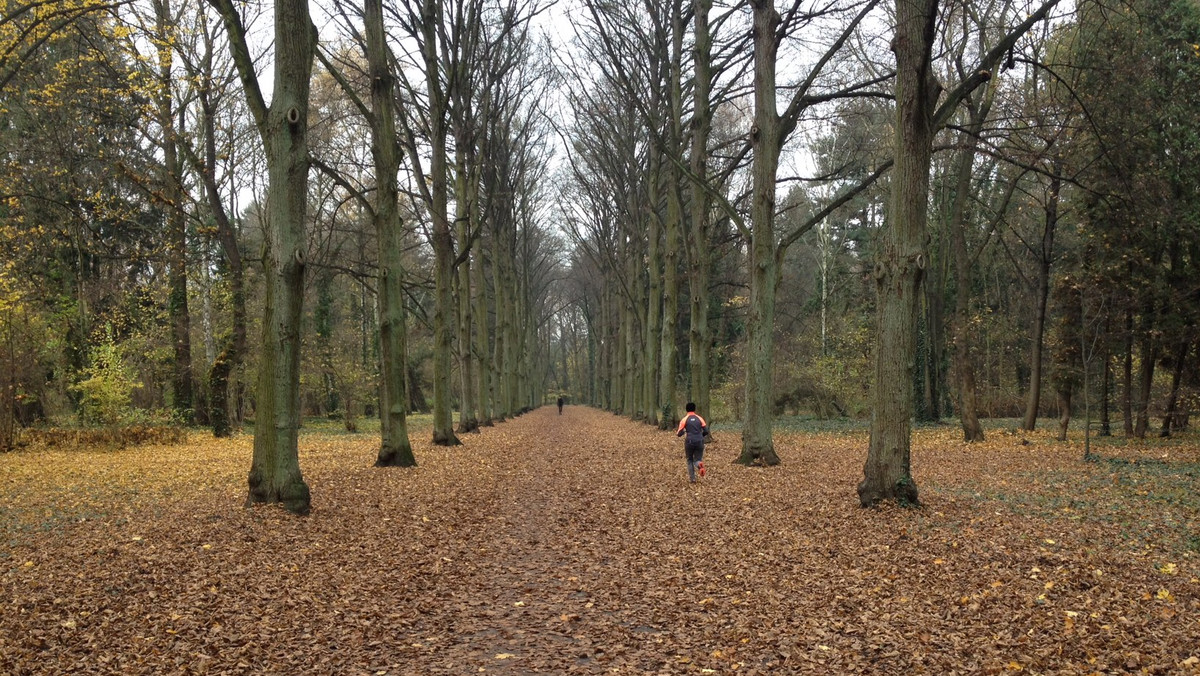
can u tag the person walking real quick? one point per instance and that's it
(693, 429)
(560, 403)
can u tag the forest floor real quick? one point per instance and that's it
(575, 544)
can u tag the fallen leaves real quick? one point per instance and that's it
(577, 545)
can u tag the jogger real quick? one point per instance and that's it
(696, 429)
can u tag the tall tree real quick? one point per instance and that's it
(963, 365)
(442, 236)
(275, 471)
(769, 132)
(165, 38)
(395, 448)
(211, 88)
(668, 416)
(697, 248)
(902, 258)
(1044, 252)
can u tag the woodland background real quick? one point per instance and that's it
(576, 185)
(808, 218)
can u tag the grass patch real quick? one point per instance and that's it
(1142, 502)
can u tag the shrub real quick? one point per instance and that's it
(113, 438)
(106, 391)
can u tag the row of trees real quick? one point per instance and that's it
(906, 210)
(987, 201)
(404, 151)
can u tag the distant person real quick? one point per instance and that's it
(560, 403)
(696, 429)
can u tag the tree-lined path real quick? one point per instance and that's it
(573, 543)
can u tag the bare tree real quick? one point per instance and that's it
(275, 471)
(902, 257)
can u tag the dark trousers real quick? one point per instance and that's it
(695, 453)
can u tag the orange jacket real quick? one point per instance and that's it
(694, 427)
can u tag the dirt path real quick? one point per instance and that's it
(540, 592)
(575, 544)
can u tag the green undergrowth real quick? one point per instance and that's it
(1144, 502)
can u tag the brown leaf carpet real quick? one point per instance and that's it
(575, 544)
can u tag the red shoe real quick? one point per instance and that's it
(700, 468)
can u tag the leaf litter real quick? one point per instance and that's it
(575, 544)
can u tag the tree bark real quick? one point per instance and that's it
(479, 301)
(512, 310)
(628, 382)
(1173, 397)
(604, 348)
(8, 394)
(172, 187)
(902, 259)
(654, 296)
(963, 364)
(758, 447)
(699, 337)
(464, 200)
(443, 238)
(932, 355)
(1145, 383)
(513, 343)
(1127, 376)
(668, 414)
(1045, 258)
(1064, 412)
(1106, 378)
(503, 313)
(275, 469)
(395, 449)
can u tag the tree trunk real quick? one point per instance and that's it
(275, 470)
(1173, 398)
(222, 411)
(512, 343)
(758, 447)
(1127, 375)
(503, 314)
(443, 238)
(229, 362)
(323, 328)
(172, 187)
(532, 376)
(699, 337)
(1039, 320)
(902, 259)
(628, 382)
(604, 358)
(512, 346)
(395, 449)
(8, 395)
(932, 356)
(1145, 383)
(668, 414)
(479, 302)
(963, 365)
(464, 200)
(1064, 413)
(654, 295)
(1105, 379)
(565, 348)
(218, 385)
